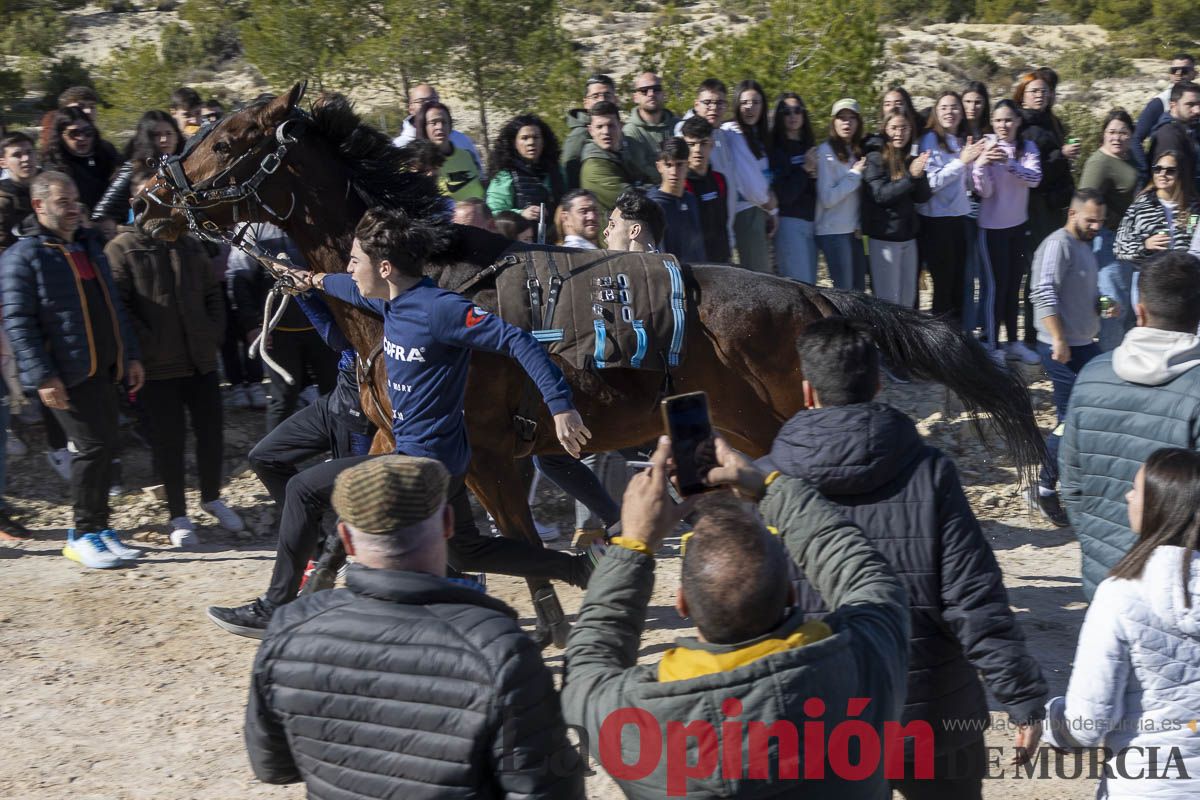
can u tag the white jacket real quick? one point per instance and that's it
(838, 200)
(1136, 681)
(753, 174)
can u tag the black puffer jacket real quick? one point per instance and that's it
(906, 497)
(889, 205)
(1043, 129)
(406, 685)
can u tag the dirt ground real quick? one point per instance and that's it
(115, 685)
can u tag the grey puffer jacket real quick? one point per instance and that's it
(864, 657)
(1141, 397)
(404, 684)
(905, 495)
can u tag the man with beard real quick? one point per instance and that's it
(1065, 298)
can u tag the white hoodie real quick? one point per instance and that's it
(1152, 357)
(1136, 681)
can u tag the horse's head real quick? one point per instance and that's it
(227, 173)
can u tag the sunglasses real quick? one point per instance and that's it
(1168, 171)
(79, 133)
(1182, 70)
(713, 103)
(649, 89)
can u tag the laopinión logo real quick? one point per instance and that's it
(851, 750)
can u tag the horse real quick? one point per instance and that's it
(315, 173)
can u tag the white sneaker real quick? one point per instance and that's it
(227, 518)
(14, 446)
(547, 533)
(1017, 351)
(88, 549)
(60, 462)
(238, 397)
(183, 533)
(257, 395)
(118, 548)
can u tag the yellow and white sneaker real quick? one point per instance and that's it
(88, 549)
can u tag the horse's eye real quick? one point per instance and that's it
(221, 147)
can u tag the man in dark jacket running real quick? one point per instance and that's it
(72, 341)
(405, 683)
(868, 458)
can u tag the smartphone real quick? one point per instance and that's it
(686, 419)
(1072, 141)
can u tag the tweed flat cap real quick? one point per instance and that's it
(387, 493)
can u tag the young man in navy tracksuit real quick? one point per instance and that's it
(428, 337)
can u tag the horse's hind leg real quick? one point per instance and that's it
(501, 488)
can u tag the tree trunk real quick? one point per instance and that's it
(483, 120)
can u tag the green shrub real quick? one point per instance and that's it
(41, 32)
(978, 64)
(1090, 64)
(1080, 122)
(60, 76)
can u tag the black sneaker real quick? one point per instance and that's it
(250, 620)
(1050, 507)
(12, 528)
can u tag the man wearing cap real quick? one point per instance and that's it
(405, 683)
(428, 336)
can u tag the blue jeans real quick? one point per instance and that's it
(1116, 281)
(839, 256)
(796, 249)
(1062, 378)
(972, 308)
(575, 478)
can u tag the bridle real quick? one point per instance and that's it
(223, 189)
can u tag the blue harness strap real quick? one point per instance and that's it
(677, 310)
(598, 326)
(643, 342)
(547, 335)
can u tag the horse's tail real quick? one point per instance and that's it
(936, 349)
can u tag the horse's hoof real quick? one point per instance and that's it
(542, 637)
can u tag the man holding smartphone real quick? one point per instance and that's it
(429, 334)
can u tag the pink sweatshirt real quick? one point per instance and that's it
(1003, 188)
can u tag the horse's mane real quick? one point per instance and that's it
(377, 169)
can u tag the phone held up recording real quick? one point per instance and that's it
(692, 445)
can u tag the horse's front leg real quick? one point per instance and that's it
(502, 488)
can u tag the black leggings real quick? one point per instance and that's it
(1009, 262)
(943, 244)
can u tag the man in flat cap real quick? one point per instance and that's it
(405, 683)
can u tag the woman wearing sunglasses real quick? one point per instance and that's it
(75, 148)
(1163, 217)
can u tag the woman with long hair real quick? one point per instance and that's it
(894, 182)
(1111, 170)
(1003, 176)
(1135, 686)
(840, 166)
(157, 135)
(791, 139)
(524, 168)
(459, 176)
(74, 148)
(896, 99)
(977, 110)
(747, 137)
(1163, 217)
(943, 237)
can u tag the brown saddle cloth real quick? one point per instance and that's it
(598, 308)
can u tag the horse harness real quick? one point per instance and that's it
(191, 200)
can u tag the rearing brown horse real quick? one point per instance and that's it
(740, 344)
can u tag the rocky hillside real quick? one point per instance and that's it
(923, 59)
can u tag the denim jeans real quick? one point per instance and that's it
(1062, 378)
(594, 503)
(796, 249)
(972, 308)
(1116, 281)
(838, 249)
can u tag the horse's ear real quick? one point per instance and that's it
(282, 106)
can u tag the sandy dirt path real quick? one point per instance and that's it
(116, 687)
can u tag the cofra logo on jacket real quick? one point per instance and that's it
(402, 353)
